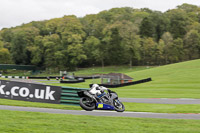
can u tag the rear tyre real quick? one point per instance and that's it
(119, 107)
(87, 104)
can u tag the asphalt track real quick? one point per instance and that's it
(103, 113)
(161, 100)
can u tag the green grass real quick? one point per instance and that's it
(36, 104)
(163, 108)
(180, 80)
(110, 69)
(80, 71)
(32, 122)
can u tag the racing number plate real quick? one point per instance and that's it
(100, 105)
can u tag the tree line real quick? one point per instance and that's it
(113, 37)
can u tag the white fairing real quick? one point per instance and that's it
(96, 89)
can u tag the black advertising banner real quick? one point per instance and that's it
(29, 92)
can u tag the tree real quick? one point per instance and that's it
(91, 48)
(113, 43)
(5, 57)
(76, 54)
(51, 44)
(130, 40)
(37, 57)
(178, 22)
(138, 16)
(192, 44)
(22, 43)
(154, 25)
(188, 7)
(88, 23)
(168, 40)
(158, 52)
(147, 27)
(177, 50)
(147, 50)
(70, 30)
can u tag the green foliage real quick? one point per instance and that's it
(148, 48)
(91, 48)
(114, 45)
(131, 40)
(5, 57)
(76, 54)
(154, 25)
(22, 42)
(192, 38)
(111, 37)
(179, 20)
(168, 41)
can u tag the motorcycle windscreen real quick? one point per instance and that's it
(104, 106)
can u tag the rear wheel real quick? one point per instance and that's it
(87, 103)
(119, 107)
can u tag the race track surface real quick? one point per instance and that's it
(103, 113)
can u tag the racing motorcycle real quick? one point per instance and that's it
(104, 101)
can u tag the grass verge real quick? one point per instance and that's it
(163, 108)
(33, 122)
(37, 104)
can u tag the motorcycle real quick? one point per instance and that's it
(104, 101)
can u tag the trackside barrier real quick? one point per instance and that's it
(50, 77)
(32, 92)
(14, 77)
(125, 84)
(69, 95)
(72, 81)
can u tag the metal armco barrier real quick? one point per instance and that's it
(69, 95)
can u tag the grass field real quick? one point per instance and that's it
(36, 104)
(180, 80)
(30, 122)
(81, 71)
(111, 69)
(162, 108)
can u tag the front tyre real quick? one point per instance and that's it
(119, 107)
(87, 103)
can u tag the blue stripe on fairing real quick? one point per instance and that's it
(101, 95)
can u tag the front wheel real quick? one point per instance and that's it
(87, 103)
(119, 107)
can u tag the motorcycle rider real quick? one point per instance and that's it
(97, 90)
